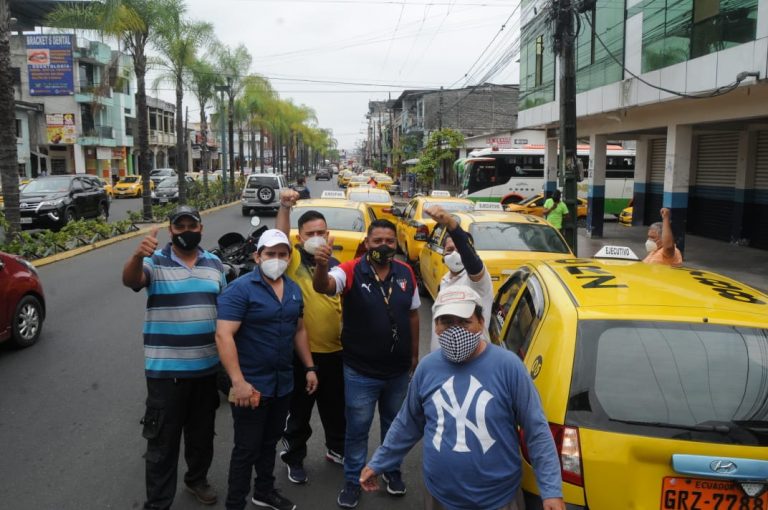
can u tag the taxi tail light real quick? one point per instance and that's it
(360, 250)
(568, 448)
(386, 210)
(423, 229)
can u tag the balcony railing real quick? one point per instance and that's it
(99, 132)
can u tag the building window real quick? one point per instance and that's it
(18, 128)
(539, 60)
(677, 30)
(152, 119)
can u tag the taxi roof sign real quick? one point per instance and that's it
(333, 194)
(440, 193)
(616, 252)
(489, 206)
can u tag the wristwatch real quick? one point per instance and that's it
(310, 369)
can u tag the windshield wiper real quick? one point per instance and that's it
(723, 429)
(753, 425)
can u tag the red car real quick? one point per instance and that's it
(22, 308)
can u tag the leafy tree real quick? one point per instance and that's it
(177, 40)
(201, 80)
(441, 146)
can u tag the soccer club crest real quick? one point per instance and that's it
(403, 283)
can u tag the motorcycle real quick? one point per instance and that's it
(236, 251)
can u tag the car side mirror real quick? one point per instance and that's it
(396, 211)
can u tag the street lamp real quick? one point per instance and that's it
(222, 89)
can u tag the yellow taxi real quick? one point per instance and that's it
(358, 180)
(107, 187)
(503, 241)
(383, 181)
(414, 225)
(535, 205)
(653, 380)
(344, 177)
(130, 186)
(625, 218)
(369, 172)
(377, 200)
(347, 221)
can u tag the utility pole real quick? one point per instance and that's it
(564, 38)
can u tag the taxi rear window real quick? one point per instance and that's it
(379, 198)
(688, 381)
(337, 218)
(503, 236)
(448, 206)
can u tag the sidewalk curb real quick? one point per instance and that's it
(112, 240)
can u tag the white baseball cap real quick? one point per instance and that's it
(272, 237)
(458, 300)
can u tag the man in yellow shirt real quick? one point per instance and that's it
(322, 319)
(661, 243)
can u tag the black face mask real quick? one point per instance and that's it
(187, 240)
(382, 254)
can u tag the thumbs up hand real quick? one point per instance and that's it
(148, 245)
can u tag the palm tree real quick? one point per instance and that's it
(8, 157)
(177, 40)
(257, 97)
(234, 64)
(201, 80)
(132, 22)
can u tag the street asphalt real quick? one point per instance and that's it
(70, 405)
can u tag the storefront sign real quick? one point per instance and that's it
(49, 64)
(103, 153)
(60, 128)
(118, 153)
(499, 141)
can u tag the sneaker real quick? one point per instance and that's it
(334, 457)
(395, 484)
(296, 473)
(273, 500)
(204, 493)
(349, 495)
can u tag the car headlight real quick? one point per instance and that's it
(52, 203)
(152, 194)
(32, 269)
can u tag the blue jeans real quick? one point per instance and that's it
(361, 395)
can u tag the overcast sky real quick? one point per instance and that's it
(393, 44)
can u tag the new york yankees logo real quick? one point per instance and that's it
(459, 412)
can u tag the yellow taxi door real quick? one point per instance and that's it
(431, 265)
(402, 225)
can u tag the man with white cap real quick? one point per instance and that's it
(467, 401)
(259, 326)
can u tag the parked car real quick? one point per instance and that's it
(22, 309)
(323, 174)
(131, 186)
(52, 202)
(262, 192)
(168, 189)
(158, 174)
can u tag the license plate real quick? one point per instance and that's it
(163, 200)
(691, 493)
(26, 220)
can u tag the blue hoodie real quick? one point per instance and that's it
(468, 414)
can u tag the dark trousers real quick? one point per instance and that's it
(176, 406)
(256, 434)
(330, 406)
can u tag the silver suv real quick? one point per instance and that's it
(262, 192)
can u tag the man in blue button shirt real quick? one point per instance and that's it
(259, 325)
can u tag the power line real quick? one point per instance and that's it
(386, 2)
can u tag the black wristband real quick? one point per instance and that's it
(310, 369)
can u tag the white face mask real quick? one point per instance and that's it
(453, 261)
(273, 268)
(313, 243)
(650, 245)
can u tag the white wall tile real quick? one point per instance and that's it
(594, 101)
(581, 104)
(645, 93)
(611, 94)
(672, 78)
(734, 60)
(760, 57)
(762, 19)
(701, 74)
(633, 40)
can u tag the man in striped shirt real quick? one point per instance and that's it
(180, 357)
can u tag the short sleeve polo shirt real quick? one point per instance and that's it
(267, 328)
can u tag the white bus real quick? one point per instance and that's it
(507, 175)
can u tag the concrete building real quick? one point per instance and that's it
(162, 132)
(687, 82)
(73, 101)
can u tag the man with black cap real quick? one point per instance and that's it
(180, 356)
(467, 402)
